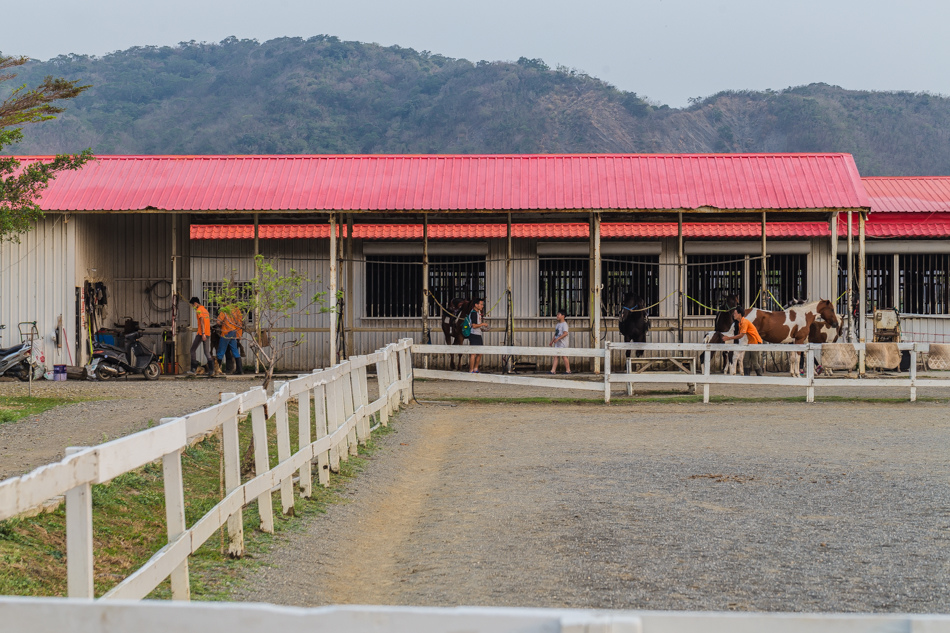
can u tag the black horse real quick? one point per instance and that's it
(634, 320)
(452, 321)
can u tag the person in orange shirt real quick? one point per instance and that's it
(747, 329)
(232, 321)
(202, 337)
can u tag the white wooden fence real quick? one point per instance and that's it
(343, 411)
(809, 381)
(56, 615)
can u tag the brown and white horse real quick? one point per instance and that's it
(793, 325)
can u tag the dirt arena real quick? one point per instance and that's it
(741, 505)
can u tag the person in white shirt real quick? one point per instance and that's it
(560, 340)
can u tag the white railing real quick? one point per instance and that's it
(343, 411)
(809, 381)
(52, 615)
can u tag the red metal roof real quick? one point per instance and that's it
(642, 230)
(907, 225)
(915, 194)
(646, 182)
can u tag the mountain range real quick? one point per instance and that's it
(325, 95)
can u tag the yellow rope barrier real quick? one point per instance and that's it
(649, 306)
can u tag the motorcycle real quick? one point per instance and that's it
(112, 361)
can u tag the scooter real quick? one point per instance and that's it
(112, 361)
(18, 361)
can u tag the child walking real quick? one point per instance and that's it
(560, 340)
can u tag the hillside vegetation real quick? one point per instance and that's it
(324, 95)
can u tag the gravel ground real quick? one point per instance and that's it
(120, 407)
(737, 506)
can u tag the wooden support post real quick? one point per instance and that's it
(320, 415)
(349, 304)
(79, 558)
(348, 411)
(257, 294)
(230, 446)
(426, 337)
(596, 284)
(175, 515)
(851, 334)
(763, 281)
(509, 300)
(680, 281)
(173, 316)
(265, 505)
(606, 373)
(304, 425)
(707, 362)
(862, 289)
(333, 290)
(833, 226)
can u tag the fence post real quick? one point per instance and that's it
(175, 515)
(913, 373)
(265, 505)
(79, 559)
(382, 383)
(810, 373)
(348, 410)
(283, 450)
(362, 429)
(629, 371)
(231, 447)
(606, 372)
(338, 451)
(303, 440)
(394, 378)
(707, 367)
(405, 365)
(320, 414)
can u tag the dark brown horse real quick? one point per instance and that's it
(452, 320)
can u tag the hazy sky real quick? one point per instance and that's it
(666, 50)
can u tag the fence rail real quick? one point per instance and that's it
(809, 381)
(52, 615)
(343, 412)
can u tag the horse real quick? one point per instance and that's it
(793, 325)
(634, 320)
(724, 325)
(452, 320)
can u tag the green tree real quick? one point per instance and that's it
(273, 299)
(22, 184)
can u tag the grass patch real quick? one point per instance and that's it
(13, 408)
(129, 525)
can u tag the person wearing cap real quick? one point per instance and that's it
(202, 338)
(752, 360)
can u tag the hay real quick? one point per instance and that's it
(882, 356)
(939, 357)
(841, 356)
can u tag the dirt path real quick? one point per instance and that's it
(120, 408)
(748, 506)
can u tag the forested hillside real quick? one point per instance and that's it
(324, 95)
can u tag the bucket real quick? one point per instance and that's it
(59, 372)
